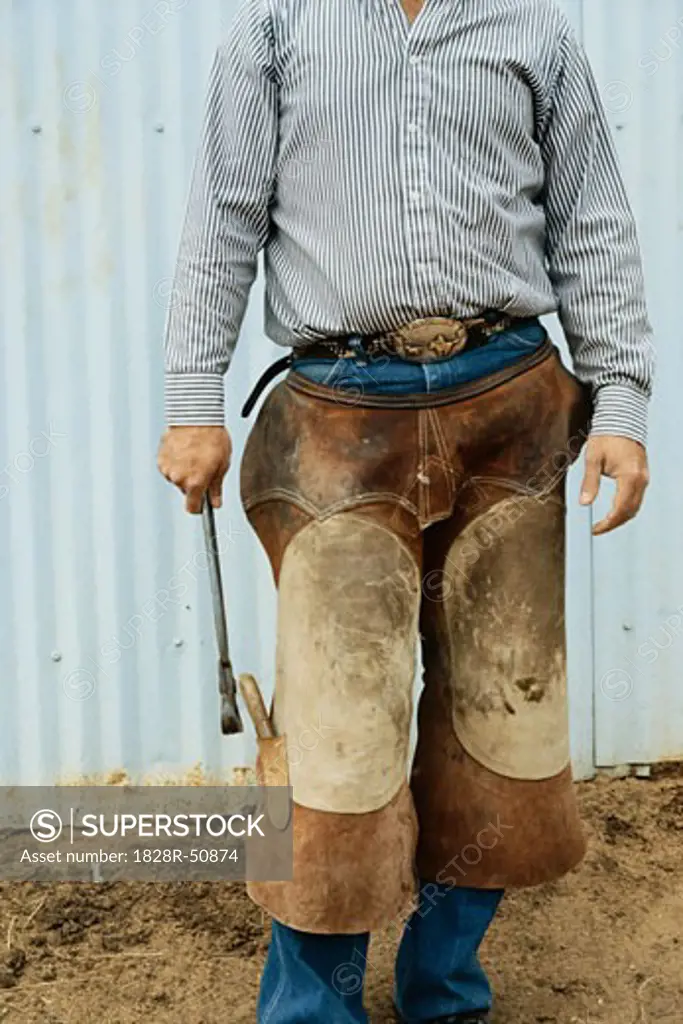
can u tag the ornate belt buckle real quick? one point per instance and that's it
(427, 340)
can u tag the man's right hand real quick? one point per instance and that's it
(196, 459)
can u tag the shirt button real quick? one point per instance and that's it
(415, 59)
(412, 128)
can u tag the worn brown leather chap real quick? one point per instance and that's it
(435, 516)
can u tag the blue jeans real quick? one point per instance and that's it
(318, 979)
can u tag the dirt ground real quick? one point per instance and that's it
(603, 946)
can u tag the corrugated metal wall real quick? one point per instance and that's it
(106, 649)
(638, 572)
(106, 645)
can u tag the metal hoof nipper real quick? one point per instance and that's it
(231, 721)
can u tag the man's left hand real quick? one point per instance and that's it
(622, 460)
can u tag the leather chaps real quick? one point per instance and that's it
(436, 519)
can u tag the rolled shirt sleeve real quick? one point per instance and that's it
(227, 220)
(593, 252)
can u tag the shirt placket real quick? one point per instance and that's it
(417, 187)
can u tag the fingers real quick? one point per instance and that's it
(591, 479)
(196, 459)
(627, 501)
(194, 488)
(215, 491)
(194, 498)
(624, 461)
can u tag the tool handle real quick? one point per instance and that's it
(251, 696)
(211, 540)
(230, 716)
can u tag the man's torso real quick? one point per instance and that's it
(418, 139)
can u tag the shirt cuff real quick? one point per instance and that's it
(620, 410)
(194, 399)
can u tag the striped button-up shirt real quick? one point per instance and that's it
(392, 171)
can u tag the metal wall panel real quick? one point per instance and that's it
(637, 49)
(579, 592)
(106, 648)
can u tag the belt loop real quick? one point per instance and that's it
(355, 343)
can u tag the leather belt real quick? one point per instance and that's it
(426, 340)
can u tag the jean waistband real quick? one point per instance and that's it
(414, 399)
(357, 371)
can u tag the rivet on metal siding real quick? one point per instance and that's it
(56, 655)
(158, 127)
(627, 627)
(178, 642)
(36, 129)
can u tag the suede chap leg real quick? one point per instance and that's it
(347, 621)
(491, 777)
